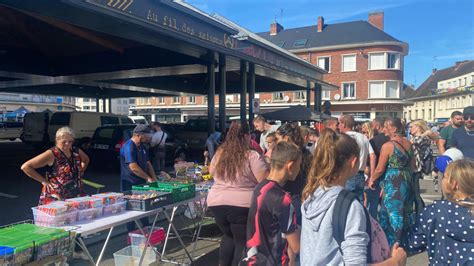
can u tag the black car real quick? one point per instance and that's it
(107, 141)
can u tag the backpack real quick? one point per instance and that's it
(378, 249)
(427, 159)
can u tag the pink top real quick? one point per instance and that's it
(239, 192)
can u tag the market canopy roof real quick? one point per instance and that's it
(126, 48)
(295, 113)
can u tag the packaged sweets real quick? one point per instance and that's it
(109, 198)
(55, 208)
(84, 203)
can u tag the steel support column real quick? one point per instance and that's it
(110, 105)
(222, 92)
(308, 94)
(251, 92)
(97, 104)
(243, 91)
(211, 92)
(104, 105)
(317, 97)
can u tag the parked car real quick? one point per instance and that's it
(108, 140)
(11, 130)
(138, 119)
(195, 132)
(35, 128)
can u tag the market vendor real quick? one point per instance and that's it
(67, 165)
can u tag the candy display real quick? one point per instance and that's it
(55, 208)
(109, 198)
(179, 191)
(146, 200)
(89, 214)
(83, 203)
(53, 220)
(115, 208)
(23, 243)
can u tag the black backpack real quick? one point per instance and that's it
(339, 218)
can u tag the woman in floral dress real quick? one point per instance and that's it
(396, 214)
(67, 164)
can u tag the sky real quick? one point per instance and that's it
(439, 32)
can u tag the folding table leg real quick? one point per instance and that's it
(83, 246)
(178, 236)
(147, 243)
(168, 231)
(105, 245)
(203, 214)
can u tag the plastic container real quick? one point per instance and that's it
(55, 208)
(161, 199)
(135, 238)
(83, 203)
(89, 214)
(6, 255)
(115, 208)
(109, 198)
(131, 256)
(44, 219)
(179, 191)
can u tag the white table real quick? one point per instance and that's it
(109, 222)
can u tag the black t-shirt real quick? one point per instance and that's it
(377, 142)
(271, 215)
(295, 188)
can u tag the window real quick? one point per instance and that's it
(109, 120)
(277, 96)
(125, 120)
(281, 44)
(416, 114)
(192, 99)
(384, 89)
(348, 63)
(384, 60)
(86, 108)
(326, 95)
(204, 100)
(161, 100)
(229, 98)
(177, 99)
(429, 114)
(409, 115)
(325, 63)
(423, 114)
(300, 43)
(300, 95)
(60, 119)
(348, 90)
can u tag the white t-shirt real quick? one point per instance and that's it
(264, 135)
(156, 139)
(364, 146)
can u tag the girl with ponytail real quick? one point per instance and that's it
(334, 162)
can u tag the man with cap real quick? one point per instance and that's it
(463, 137)
(135, 165)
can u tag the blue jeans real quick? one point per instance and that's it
(355, 184)
(373, 200)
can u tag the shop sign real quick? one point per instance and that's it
(458, 89)
(359, 114)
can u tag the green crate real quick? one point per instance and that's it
(179, 191)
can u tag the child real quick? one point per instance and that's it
(334, 162)
(271, 141)
(446, 228)
(271, 226)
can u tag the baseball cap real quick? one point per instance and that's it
(142, 130)
(468, 111)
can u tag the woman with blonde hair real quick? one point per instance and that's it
(67, 165)
(367, 130)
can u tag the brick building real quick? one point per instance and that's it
(362, 60)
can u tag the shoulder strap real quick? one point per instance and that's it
(162, 137)
(339, 219)
(401, 146)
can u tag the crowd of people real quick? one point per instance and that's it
(345, 195)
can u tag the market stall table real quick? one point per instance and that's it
(110, 222)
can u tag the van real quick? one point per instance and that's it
(35, 128)
(138, 119)
(84, 124)
(10, 130)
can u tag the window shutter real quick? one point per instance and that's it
(376, 90)
(349, 63)
(392, 89)
(377, 61)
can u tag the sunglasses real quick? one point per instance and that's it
(468, 117)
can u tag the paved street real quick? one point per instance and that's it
(18, 194)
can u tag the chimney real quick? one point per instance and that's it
(434, 71)
(376, 19)
(320, 24)
(275, 28)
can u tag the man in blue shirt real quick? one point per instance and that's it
(463, 137)
(135, 165)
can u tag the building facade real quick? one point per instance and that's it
(10, 102)
(362, 60)
(119, 106)
(443, 92)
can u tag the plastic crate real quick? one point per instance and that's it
(162, 199)
(6, 255)
(44, 219)
(131, 256)
(89, 214)
(179, 192)
(135, 238)
(115, 208)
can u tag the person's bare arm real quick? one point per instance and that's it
(293, 240)
(151, 171)
(138, 171)
(382, 165)
(441, 146)
(84, 161)
(373, 160)
(399, 257)
(29, 167)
